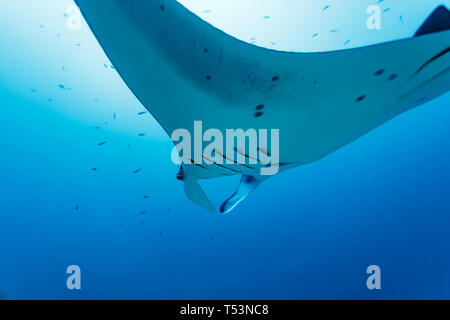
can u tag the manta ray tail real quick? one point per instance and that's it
(246, 186)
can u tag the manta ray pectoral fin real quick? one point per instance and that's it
(196, 194)
(246, 186)
(438, 21)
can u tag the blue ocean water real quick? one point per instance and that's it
(308, 233)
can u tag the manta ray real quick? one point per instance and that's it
(183, 69)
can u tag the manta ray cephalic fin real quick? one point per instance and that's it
(246, 186)
(196, 194)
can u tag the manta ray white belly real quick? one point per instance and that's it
(182, 69)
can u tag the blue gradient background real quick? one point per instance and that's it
(308, 233)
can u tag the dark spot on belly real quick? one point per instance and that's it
(208, 77)
(379, 72)
(422, 99)
(275, 78)
(392, 77)
(162, 8)
(258, 114)
(205, 50)
(259, 107)
(361, 98)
